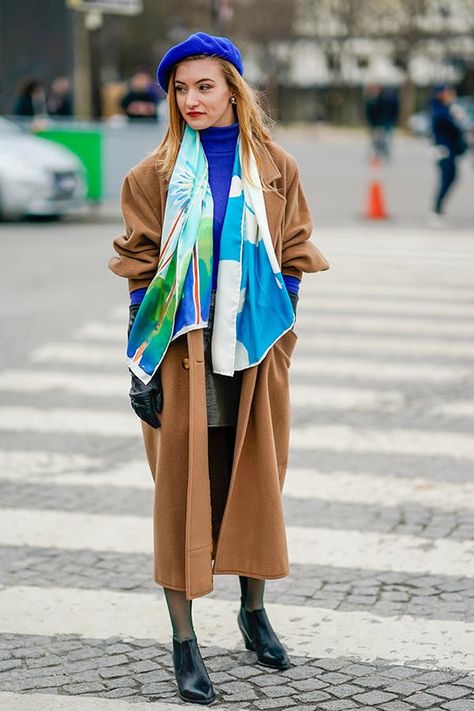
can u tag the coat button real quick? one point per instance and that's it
(185, 363)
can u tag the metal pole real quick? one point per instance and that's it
(82, 68)
(215, 17)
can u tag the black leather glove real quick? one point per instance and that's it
(146, 399)
(294, 298)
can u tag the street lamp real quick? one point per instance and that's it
(88, 16)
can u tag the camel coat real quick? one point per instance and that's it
(252, 538)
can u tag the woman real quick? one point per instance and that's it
(217, 238)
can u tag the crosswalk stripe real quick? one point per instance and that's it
(11, 701)
(40, 468)
(374, 370)
(92, 384)
(16, 464)
(323, 397)
(321, 322)
(32, 381)
(344, 438)
(386, 344)
(410, 307)
(461, 408)
(369, 489)
(102, 423)
(109, 423)
(372, 489)
(320, 285)
(307, 546)
(316, 633)
(320, 341)
(339, 367)
(79, 354)
(360, 323)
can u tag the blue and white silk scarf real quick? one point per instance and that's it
(252, 308)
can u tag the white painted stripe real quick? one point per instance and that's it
(339, 367)
(365, 369)
(106, 423)
(316, 633)
(103, 423)
(79, 354)
(308, 546)
(35, 469)
(369, 489)
(318, 341)
(11, 701)
(392, 258)
(461, 408)
(319, 322)
(120, 313)
(102, 332)
(322, 397)
(343, 438)
(18, 464)
(386, 306)
(401, 346)
(86, 383)
(320, 285)
(306, 318)
(378, 490)
(72, 531)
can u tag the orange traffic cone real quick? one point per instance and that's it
(375, 203)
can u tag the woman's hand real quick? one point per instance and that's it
(146, 399)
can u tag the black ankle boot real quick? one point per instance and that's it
(260, 637)
(191, 674)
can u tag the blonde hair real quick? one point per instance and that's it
(254, 124)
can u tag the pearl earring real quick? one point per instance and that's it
(233, 100)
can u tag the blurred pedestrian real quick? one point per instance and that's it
(449, 139)
(381, 112)
(60, 98)
(31, 99)
(141, 101)
(217, 239)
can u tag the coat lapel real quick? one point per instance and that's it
(275, 202)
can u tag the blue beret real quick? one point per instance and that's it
(199, 43)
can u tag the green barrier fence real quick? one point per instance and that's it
(87, 145)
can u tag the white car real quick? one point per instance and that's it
(37, 176)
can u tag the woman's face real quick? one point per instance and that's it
(202, 93)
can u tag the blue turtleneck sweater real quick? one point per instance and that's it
(219, 144)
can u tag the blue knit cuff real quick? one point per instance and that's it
(292, 283)
(136, 296)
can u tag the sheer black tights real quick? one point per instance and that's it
(221, 441)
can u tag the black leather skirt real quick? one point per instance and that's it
(222, 391)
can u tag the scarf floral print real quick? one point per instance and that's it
(252, 308)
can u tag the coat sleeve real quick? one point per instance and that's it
(299, 254)
(139, 247)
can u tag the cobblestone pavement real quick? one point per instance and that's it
(378, 611)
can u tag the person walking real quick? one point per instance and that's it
(60, 102)
(448, 135)
(141, 100)
(381, 109)
(30, 100)
(217, 239)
